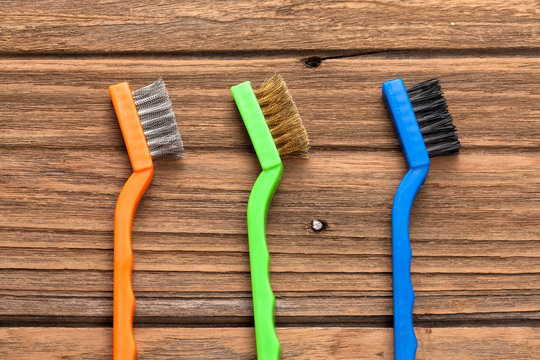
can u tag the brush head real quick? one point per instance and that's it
(158, 121)
(282, 117)
(433, 118)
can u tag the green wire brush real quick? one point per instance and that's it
(275, 128)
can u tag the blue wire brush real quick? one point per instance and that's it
(424, 128)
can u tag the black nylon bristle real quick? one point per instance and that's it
(433, 118)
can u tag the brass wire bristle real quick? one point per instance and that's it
(282, 117)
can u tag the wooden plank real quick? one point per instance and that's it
(237, 261)
(64, 103)
(500, 343)
(193, 282)
(58, 237)
(20, 239)
(206, 194)
(210, 26)
(181, 307)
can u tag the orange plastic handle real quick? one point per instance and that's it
(124, 347)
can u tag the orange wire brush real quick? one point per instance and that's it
(150, 133)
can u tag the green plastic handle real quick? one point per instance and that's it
(264, 302)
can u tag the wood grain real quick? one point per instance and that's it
(169, 306)
(475, 225)
(63, 103)
(191, 263)
(77, 191)
(58, 237)
(270, 25)
(298, 343)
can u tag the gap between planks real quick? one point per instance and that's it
(310, 58)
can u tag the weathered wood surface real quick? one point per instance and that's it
(64, 163)
(75, 190)
(347, 343)
(475, 227)
(64, 103)
(270, 25)
(58, 236)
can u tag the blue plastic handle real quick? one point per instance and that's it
(417, 159)
(404, 339)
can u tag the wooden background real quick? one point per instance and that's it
(475, 225)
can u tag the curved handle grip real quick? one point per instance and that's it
(404, 339)
(268, 347)
(124, 347)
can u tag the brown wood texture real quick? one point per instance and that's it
(475, 227)
(269, 25)
(64, 103)
(347, 343)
